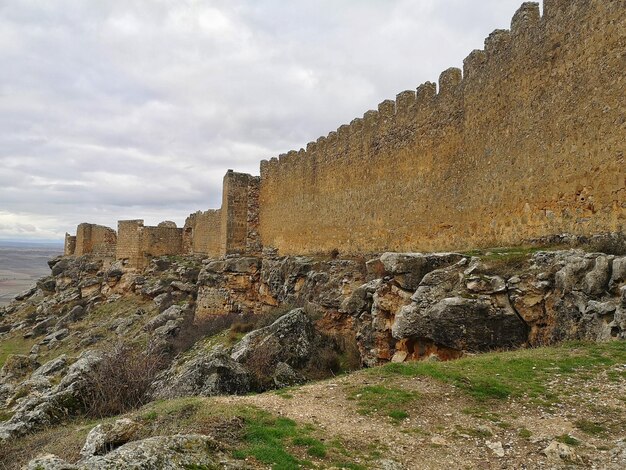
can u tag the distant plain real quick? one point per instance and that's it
(21, 264)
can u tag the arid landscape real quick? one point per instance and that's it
(21, 264)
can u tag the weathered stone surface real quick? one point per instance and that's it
(206, 374)
(39, 410)
(107, 436)
(50, 462)
(409, 269)
(176, 452)
(285, 376)
(463, 324)
(52, 367)
(163, 452)
(289, 339)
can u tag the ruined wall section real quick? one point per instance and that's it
(94, 239)
(164, 239)
(129, 242)
(239, 213)
(202, 233)
(70, 245)
(528, 140)
(137, 243)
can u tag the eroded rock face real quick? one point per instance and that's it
(55, 403)
(463, 324)
(108, 436)
(289, 339)
(462, 304)
(180, 451)
(206, 373)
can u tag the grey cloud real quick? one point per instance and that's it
(136, 108)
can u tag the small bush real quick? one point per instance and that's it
(120, 381)
(242, 327)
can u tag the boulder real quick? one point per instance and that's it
(180, 451)
(206, 374)
(107, 436)
(50, 462)
(289, 339)
(242, 264)
(408, 269)
(173, 313)
(164, 452)
(52, 367)
(285, 376)
(462, 324)
(26, 293)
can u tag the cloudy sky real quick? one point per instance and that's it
(135, 109)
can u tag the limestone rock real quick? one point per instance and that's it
(463, 324)
(409, 269)
(558, 452)
(289, 339)
(52, 367)
(50, 462)
(285, 376)
(107, 436)
(162, 452)
(207, 374)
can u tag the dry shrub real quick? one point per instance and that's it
(610, 244)
(334, 354)
(262, 362)
(192, 331)
(120, 381)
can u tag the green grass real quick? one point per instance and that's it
(386, 400)
(516, 373)
(14, 345)
(567, 439)
(590, 427)
(265, 437)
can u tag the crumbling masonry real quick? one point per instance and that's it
(526, 141)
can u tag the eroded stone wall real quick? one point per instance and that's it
(202, 233)
(239, 213)
(93, 239)
(70, 245)
(137, 243)
(528, 140)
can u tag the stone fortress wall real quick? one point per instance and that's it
(232, 229)
(528, 140)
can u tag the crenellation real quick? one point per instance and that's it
(554, 8)
(527, 17)
(479, 159)
(343, 132)
(370, 120)
(449, 80)
(387, 109)
(497, 41)
(481, 162)
(473, 64)
(425, 94)
(405, 101)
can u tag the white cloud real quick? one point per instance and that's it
(136, 108)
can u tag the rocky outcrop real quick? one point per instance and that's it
(453, 303)
(48, 403)
(206, 373)
(180, 451)
(108, 436)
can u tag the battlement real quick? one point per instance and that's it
(476, 160)
(526, 141)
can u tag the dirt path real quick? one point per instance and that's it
(446, 429)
